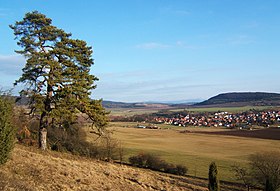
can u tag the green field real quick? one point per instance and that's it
(194, 150)
(127, 112)
(227, 109)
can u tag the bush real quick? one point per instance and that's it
(71, 139)
(7, 131)
(66, 138)
(265, 169)
(214, 184)
(144, 160)
(181, 170)
(27, 127)
(136, 161)
(245, 175)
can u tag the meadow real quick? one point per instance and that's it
(227, 109)
(194, 150)
(127, 112)
(130, 112)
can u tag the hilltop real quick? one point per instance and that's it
(224, 99)
(243, 99)
(31, 169)
(234, 99)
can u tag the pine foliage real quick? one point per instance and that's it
(57, 73)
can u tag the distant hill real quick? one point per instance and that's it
(112, 104)
(107, 104)
(243, 98)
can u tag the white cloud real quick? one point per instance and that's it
(11, 64)
(5, 12)
(149, 89)
(149, 86)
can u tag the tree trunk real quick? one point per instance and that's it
(43, 138)
(44, 121)
(43, 132)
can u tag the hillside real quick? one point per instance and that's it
(113, 104)
(243, 98)
(31, 169)
(139, 105)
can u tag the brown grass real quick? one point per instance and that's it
(194, 150)
(31, 169)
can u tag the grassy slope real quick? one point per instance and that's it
(196, 151)
(31, 169)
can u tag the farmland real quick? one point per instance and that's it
(228, 109)
(195, 150)
(148, 110)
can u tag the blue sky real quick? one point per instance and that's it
(162, 50)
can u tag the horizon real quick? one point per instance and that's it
(188, 100)
(163, 51)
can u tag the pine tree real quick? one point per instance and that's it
(7, 133)
(214, 184)
(56, 74)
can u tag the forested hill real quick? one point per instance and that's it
(243, 98)
(113, 104)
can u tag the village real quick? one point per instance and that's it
(242, 120)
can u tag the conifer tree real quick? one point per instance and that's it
(56, 74)
(214, 184)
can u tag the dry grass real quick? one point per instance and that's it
(194, 150)
(127, 112)
(30, 169)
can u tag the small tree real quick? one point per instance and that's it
(121, 152)
(214, 184)
(266, 169)
(243, 174)
(7, 131)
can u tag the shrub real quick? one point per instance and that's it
(181, 170)
(170, 168)
(71, 139)
(265, 168)
(245, 175)
(7, 131)
(136, 161)
(152, 162)
(26, 127)
(214, 184)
